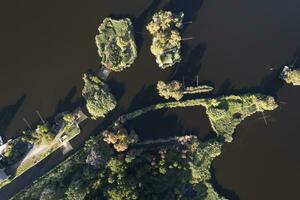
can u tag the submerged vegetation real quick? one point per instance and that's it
(166, 46)
(99, 100)
(116, 44)
(177, 90)
(291, 75)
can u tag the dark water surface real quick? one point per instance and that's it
(47, 46)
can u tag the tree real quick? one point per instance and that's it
(116, 44)
(291, 76)
(68, 117)
(43, 133)
(171, 90)
(120, 139)
(176, 90)
(166, 38)
(99, 101)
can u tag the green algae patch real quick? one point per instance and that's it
(166, 42)
(116, 44)
(227, 112)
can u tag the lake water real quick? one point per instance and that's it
(47, 46)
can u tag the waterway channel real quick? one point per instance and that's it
(237, 46)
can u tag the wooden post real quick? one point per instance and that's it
(26, 122)
(189, 22)
(264, 117)
(189, 38)
(40, 116)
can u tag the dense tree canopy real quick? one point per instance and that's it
(177, 90)
(116, 44)
(166, 38)
(99, 100)
(178, 170)
(120, 138)
(226, 112)
(291, 76)
(43, 133)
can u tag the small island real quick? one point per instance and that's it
(177, 90)
(99, 100)
(290, 75)
(116, 44)
(166, 46)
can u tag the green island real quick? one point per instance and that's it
(115, 163)
(290, 75)
(166, 46)
(116, 44)
(177, 90)
(99, 101)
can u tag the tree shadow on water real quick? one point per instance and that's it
(189, 69)
(227, 193)
(269, 85)
(8, 113)
(117, 88)
(145, 97)
(190, 8)
(156, 125)
(296, 62)
(69, 103)
(140, 22)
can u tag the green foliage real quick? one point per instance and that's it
(291, 76)
(119, 138)
(15, 150)
(172, 90)
(72, 179)
(9, 150)
(225, 113)
(146, 173)
(116, 44)
(43, 133)
(166, 38)
(176, 90)
(68, 117)
(163, 174)
(99, 100)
